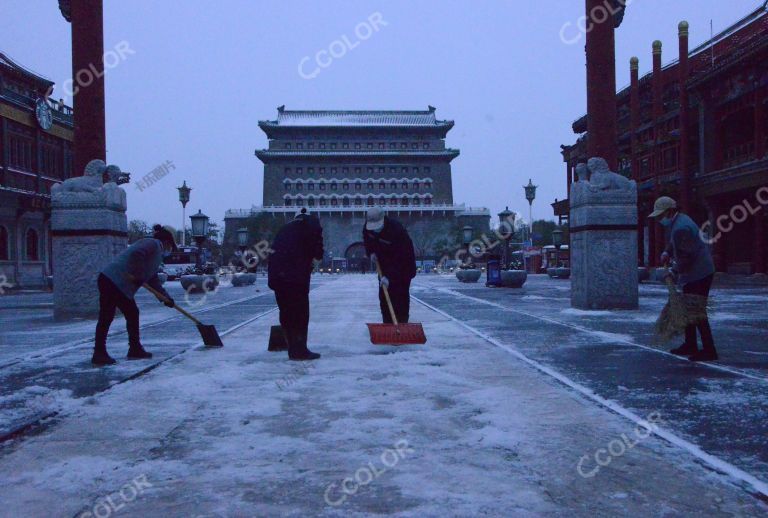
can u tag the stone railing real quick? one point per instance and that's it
(460, 209)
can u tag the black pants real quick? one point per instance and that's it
(293, 303)
(111, 298)
(701, 289)
(399, 294)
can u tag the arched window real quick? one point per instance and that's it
(405, 184)
(288, 202)
(32, 247)
(370, 200)
(393, 185)
(370, 186)
(5, 245)
(404, 201)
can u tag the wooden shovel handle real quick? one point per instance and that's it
(175, 306)
(386, 293)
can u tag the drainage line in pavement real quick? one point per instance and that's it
(39, 424)
(72, 345)
(723, 368)
(757, 487)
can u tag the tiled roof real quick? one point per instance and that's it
(6, 61)
(330, 118)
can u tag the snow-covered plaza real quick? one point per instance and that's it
(517, 405)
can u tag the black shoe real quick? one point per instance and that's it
(685, 350)
(305, 356)
(102, 358)
(138, 353)
(703, 356)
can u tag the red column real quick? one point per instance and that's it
(759, 124)
(684, 159)
(88, 75)
(634, 109)
(658, 106)
(570, 177)
(760, 242)
(601, 83)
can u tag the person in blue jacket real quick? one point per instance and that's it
(118, 283)
(694, 268)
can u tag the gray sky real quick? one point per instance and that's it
(203, 73)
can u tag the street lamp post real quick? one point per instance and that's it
(557, 240)
(184, 199)
(506, 231)
(530, 195)
(199, 232)
(242, 241)
(467, 233)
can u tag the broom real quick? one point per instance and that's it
(395, 333)
(674, 317)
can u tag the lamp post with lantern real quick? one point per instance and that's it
(530, 195)
(200, 226)
(467, 232)
(506, 231)
(242, 242)
(557, 240)
(184, 199)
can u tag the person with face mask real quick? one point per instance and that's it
(694, 268)
(118, 283)
(388, 243)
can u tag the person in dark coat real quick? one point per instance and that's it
(388, 243)
(294, 249)
(694, 269)
(118, 283)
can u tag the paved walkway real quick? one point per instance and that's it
(458, 427)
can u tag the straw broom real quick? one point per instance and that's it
(674, 317)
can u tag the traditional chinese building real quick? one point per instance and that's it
(696, 129)
(35, 153)
(340, 163)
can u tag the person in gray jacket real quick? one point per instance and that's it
(118, 284)
(694, 268)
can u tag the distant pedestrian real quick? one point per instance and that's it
(388, 243)
(693, 266)
(296, 246)
(118, 284)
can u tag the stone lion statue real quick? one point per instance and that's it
(601, 178)
(97, 173)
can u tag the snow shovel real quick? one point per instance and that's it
(395, 334)
(207, 332)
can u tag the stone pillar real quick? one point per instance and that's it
(89, 229)
(684, 158)
(87, 18)
(641, 222)
(603, 229)
(601, 83)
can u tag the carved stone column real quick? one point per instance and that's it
(89, 230)
(604, 244)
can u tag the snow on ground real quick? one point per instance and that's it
(456, 427)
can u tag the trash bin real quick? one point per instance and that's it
(493, 273)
